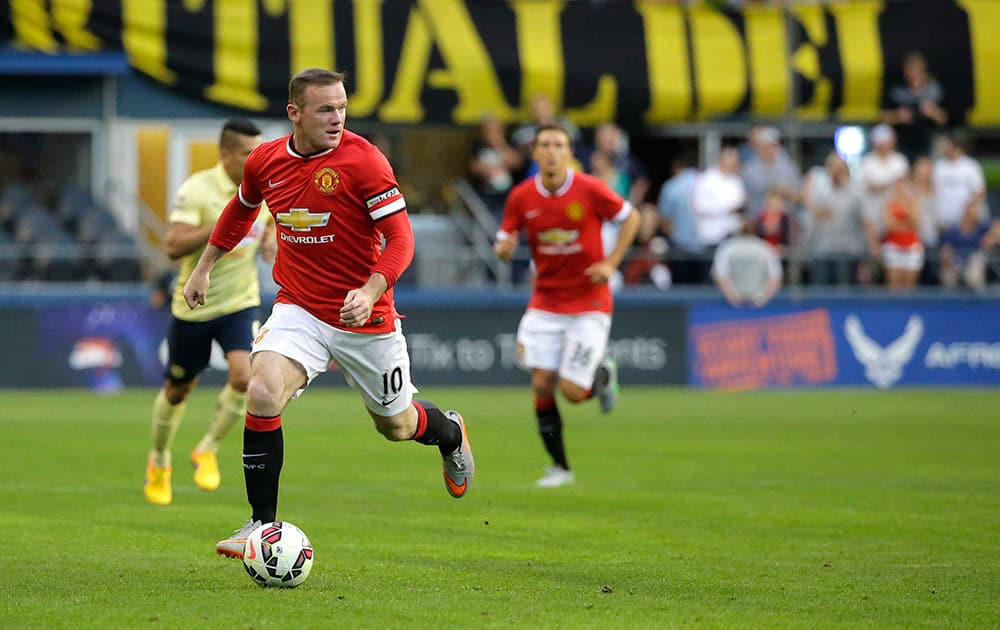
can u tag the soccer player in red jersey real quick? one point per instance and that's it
(563, 334)
(334, 198)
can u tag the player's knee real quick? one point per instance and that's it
(572, 392)
(239, 382)
(176, 393)
(263, 394)
(393, 428)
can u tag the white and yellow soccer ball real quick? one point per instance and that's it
(278, 554)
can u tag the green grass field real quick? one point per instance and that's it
(785, 509)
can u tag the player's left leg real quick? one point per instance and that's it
(378, 367)
(584, 370)
(234, 333)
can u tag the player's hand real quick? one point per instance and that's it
(195, 289)
(504, 249)
(600, 272)
(357, 308)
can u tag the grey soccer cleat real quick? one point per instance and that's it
(609, 394)
(459, 466)
(233, 546)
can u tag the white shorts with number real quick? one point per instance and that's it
(572, 345)
(377, 366)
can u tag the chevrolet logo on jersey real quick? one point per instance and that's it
(558, 236)
(301, 220)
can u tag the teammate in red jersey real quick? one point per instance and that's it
(333, 197)
(563, 334)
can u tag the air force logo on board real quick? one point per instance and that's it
(883, 366)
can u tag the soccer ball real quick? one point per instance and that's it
(278, 554)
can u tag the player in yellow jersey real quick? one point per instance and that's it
(230, 318)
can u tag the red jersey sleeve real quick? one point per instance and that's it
(513, 215)
(607, 203)
(398, 252)
(379, 188)
(241, 211)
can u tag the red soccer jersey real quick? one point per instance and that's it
(564, 231)
(325, 207)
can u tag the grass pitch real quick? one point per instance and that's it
(783, 509)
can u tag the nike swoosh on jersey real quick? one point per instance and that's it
(386, 403)
(531, 214)
(271, 184)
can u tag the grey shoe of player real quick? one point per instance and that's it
(459, 466)
(609, 394)
(232, 547)
(556, 476)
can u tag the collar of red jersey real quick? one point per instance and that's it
(562, 189)
(295, 154)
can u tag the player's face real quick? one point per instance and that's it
(233, 158)
(319, 119)
(552, 152)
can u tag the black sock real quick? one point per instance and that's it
(550, 428)
(601, 378)
(434, 428)
(263, 455)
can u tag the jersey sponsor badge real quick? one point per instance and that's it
(301, 220)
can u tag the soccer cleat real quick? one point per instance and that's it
(459, 467)
(556, 476)
(157, 485)
(609, 394)
(232, 547)
(206, 470)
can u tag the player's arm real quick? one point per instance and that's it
(395, 258)
(233, 225)
(508, 235)
(183, 239)
(628, 218)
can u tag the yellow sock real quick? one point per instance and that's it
(166, 420)
(230, 407)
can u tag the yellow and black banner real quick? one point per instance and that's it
(452, 61)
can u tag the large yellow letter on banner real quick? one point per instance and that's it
(144, 35)
(860, 57)
(767, 49)
(667, 60)
(469, 70)
(236, 75)
(984, 15)
(719, 63)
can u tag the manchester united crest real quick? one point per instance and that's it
(327, 180)
(574, 210)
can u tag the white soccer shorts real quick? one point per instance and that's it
(909, 258)
(377, 366)
(572, 345)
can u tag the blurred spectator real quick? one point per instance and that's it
(718, 199)
(543, 112)
(902, 250)
(610, 141)
(880, 170)
(678, 222)
(964, 249)
(914, 107)
(161, 289)
(922, 189)
(747, 269)
(958, 182)
(769, 170)
(602, 166)
(774, 225)
(494, 164)
(838, 231)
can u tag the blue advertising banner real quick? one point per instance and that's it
(862, 343)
